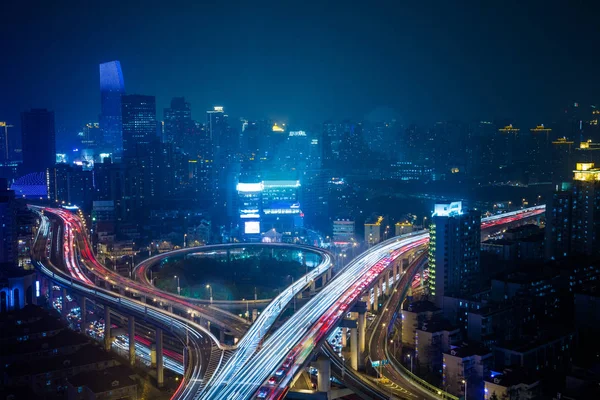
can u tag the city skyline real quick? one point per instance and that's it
(304, 67)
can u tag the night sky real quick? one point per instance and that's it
(304, 61)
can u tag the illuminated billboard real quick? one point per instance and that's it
(251, 227)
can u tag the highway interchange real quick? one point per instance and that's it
(256, 359)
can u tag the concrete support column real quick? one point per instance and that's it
(153, 355)
(143, 299)
(344, 337)
(107, 339)
(395, 271)
(367, 299)
(131, 323)
(323, 280)
(160, 377)
(329, 274)
(170, 308)
(376, 298)
(222, 335)
(323, 366)
(254, 314)
(362, 333)
(387, 282)
(312, 287)
(353, 348)
(65, 303)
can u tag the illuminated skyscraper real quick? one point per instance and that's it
(140, 152)
(38, 140)
(573, 216)
(139, 124)
(454, 267)
(178, 122)
(112, 87)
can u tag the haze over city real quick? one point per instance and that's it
(299, 200)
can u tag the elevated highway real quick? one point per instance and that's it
(187, 331)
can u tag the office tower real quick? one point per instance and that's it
(91, 136)
(71, 184)
(562, 160)
(507, 144)
(454, 268)
(140, 152)
(352, 147)
(539, 151)
(38, 140)
(225, 143)
(112, 87)
(8, 225)
(178, 123)
(4, 142)
(139, 124)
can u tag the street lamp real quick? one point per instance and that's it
(424, 219)
(178, 287)
(411, 363)
(465, 383)
(210, 292)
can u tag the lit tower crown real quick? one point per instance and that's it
(586, 172)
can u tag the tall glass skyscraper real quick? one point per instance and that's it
(112, 87)
(38, 140)
(139, 124)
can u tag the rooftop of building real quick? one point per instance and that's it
(27, 313)
(499, 242)
(17, 393)
(534, 273)
(22, 327)
(438, 324)
(89, 354)
(111, 378)
(547, 335)
(64, 338)
(468, 350)
(513, 376)
(421, 306)
(523, 228)
(494, 308)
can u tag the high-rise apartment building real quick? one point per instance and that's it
(573, 215)
(539, 152)
(562, 159)
(454, 267)
(38, 140)
(558, 222)
(507, 144)
(112, 87)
